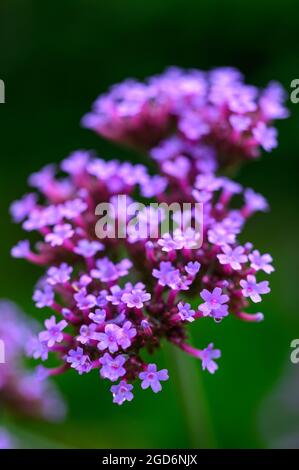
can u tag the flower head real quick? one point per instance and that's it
(121, 296)
(192, 103)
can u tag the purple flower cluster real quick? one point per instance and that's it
(191, 118)
(21, 391)
(115, 298)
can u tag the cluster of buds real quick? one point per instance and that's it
(20, 389)
(214, 116)
(114, 298)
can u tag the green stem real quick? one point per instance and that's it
(194, 402)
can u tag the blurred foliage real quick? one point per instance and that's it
(56, 57)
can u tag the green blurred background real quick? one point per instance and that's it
(56, 57)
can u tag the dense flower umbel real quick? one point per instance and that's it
(113, 298)
(210, 115)
(20, 389)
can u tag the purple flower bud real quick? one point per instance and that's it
(21, 250)
(20, 209)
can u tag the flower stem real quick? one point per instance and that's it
(195, 406)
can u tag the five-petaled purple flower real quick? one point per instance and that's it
(59, 275)
(167, 274)
(122, 392)
(85, 301)
(235, 257)
(261, 262)
(112, 368)
(53, 334)
(152, 378)
(44, 298)
(207, 356)
(135, 298)
(251, 288)
(126, 334)
(109, 339)
(214, 303)
(185, 312)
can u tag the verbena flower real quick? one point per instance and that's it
(122, 392)
(210, 118)
(152, 378)
(20, 390)
(114, 298)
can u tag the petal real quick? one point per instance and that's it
(152, 368)
(156, 386)
(163, 374)
(255, 297)
(145, 384)
(205, 295)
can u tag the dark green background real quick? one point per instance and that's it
(56, 57)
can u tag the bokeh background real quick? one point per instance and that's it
(56, 57)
